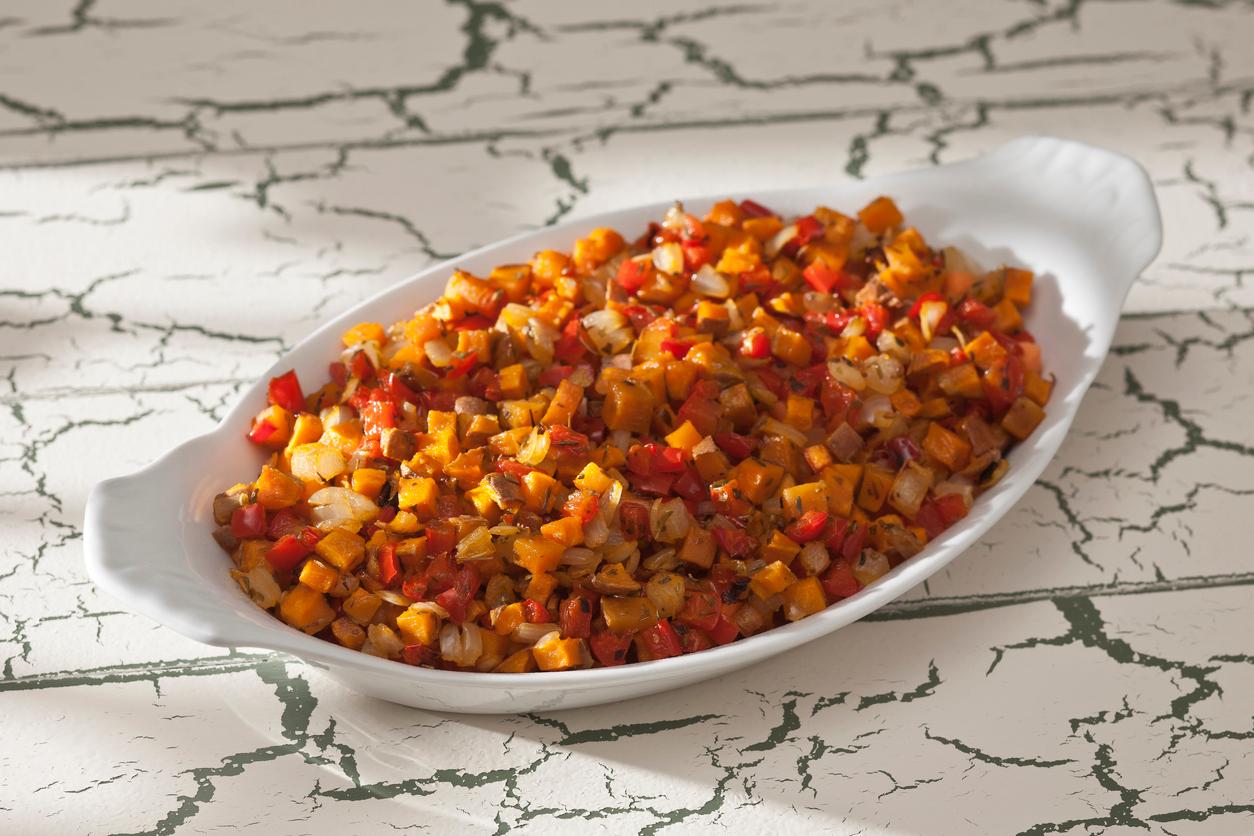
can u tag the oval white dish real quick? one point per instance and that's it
(1083, 218)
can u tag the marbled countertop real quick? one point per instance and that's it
(172, 174)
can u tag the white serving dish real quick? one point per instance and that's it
(1083, 218)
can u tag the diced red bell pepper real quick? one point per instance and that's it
(248, 521)
(287, 552)
(823, 278)
(640, 316)
(904, 448)
(929, 516)
(535, 612)
(724, 631)
(1003, 383)
(930, 296)
(690, 486)
(338, 373)
(389, 566)
(758, 280)
(284, 391)
(420, 654)
(387, 513)
(440, 537)
(399, 389)
(661, 640)
(808, 228)
(582, 506)
(974, 312)
(657, 484)
(261, 431)
(838, 581)
(735, 445)
(360, 366)
(773, 382)
(284, 521)
(755, 345)
(442, 401)
(610, 649)
(514, 468)
(441, 571)
(414, 588)
(651, 458)
(566, 442)
(632, 274)
(836, 398)
(876, 316)
(808, 527)
(486, 384)
(456, 599)
(377, 416)
(678, 348)
(570, 347)
(855, 541)
(463, 367)
(575, 618)
(806, 382)
(834, 535)
(474, 322)
(692, 640)
(634, 519)
(554, 375)
(696, 255)
(735, 542)
(952, 508)
(754, 209)
(703, 412)
(702, 608)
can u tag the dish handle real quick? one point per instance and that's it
(1109, 200)
(129, 525)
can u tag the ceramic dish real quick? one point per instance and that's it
(1084, 219)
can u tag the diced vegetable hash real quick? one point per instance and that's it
(635, 450)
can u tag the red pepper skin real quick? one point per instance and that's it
(514, 468)
(951, 508)
(284, 391)
(930, 296)
(399, 390)
(876, 316)
(287, 552)
(838, 581)
(678, 348)
(634, 518)
(457, 597)
(755, 345)
(657, 484)
(735, 542)
(931, 519)
(652, 458)
(461, 368)
(724, 631)
(974, 312)
(632, 274)
(702, 608)
(248, 521)
(855, 541)
(583, 506)
(441, 573)
(823, 278)
(570, 348)
(610, 649)
(440, 538)
(261, 431)
(360, 366)
(567, 442)
(535, 612)
(696, 255)
(389, 566)
(735, 445)
(808, 527)
(420, 654)
(661, 640)
(338, 373)
(691, 640)
(754, 209)
(837, 528)
(575, 618)
(284, 521)
(690, 486)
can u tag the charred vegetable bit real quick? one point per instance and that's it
(637, 450)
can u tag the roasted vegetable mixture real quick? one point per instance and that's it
(638, 449)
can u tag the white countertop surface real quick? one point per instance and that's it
(187, 188)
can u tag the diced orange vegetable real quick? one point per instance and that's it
(317, 575)
(627, 615)
(791, 347)
(805, 597)
(841, 481)
(780, 549)
(628, 406)
(365, 332)
(1018, 286)
(540, 587)
(880, 215)
(567, 530)
(305, 609)
(369, 481)
(876, 483)
(418, 626)
(519, 662)
(1023, 417)
(418, 494)
(771, 579)
(698, 548)
(554, 653)
(961, 381)
(541, 492)
(685, 437)
(276, 489)
(948, 448)
(1008, 321)
(797, 500)
(985, 350)
(342, 549)
(1037, 388)
(537, 554)
(565, 402)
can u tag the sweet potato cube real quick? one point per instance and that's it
(799, 412)
(513, 381)
(317, 575)
(568, 531)
(905, 402)
(817, 457)
(876, 483)
(771, 579)
(348, 634)
(698, 548)
(541, 492)
(791, 347)
(685, 437)
(507, 618)
(1037, 388)
(369, 481)
(810, 496)
(1009, 319)
(540, 586)
(985, 350)
(342, 549)
(738, 406)
(681, 375)
(628, 406)
(961, 381)
(565, 401)
(805, 597)
(520, 662)
(418, 626)
(593, 478)
(841, 481)
(948, 448)
(780, 549)
(275, 489)
(1018, 286)
(537, 554)
(364, 332)
(418, 494)
(627, 615)
(361, 605)
(305, 609)
(758, 481)
(1022, 418)
(880, 215)
(554, 653)
(857, 349)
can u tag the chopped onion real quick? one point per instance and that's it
(877, 411)
(709, 282)
(883, 374)
(461, 645)
(618, 552)
(595, 532)
(361, 507)
(668, 520)
(735, 321)
(528, 633)
(855, 328)
(662, 561)
(844, 372)
(780, 239)
(429, 606)
(316, 462)
(385, 640)
(610, 501)
(539, 337)
(536, 447)
(609, 331)
(772, 426)
(930, 315)
(890, 343)
(394, 597)
(669, 258)
(338, 415)
(261, 586)
(477, 545)
(959, 485)
(814, 558)
(580, 558)
(438, 352)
